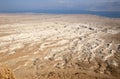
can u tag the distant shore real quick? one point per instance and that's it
(109, 14)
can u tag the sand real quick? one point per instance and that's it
(47, 46)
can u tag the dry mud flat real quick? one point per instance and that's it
(60, 46)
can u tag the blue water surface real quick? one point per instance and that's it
(110, 14)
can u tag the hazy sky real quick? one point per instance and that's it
(27, 5)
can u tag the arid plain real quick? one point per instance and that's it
(47, 46)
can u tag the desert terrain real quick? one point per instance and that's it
(47, 46)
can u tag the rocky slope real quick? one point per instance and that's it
(60, 46)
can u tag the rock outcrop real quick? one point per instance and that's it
(6, 73)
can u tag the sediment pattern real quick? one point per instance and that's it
(60, 46)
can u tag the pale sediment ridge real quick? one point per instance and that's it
(60, 46)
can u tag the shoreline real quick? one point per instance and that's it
(39, 14)
(107, 14)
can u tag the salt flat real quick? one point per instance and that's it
(48, 46)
